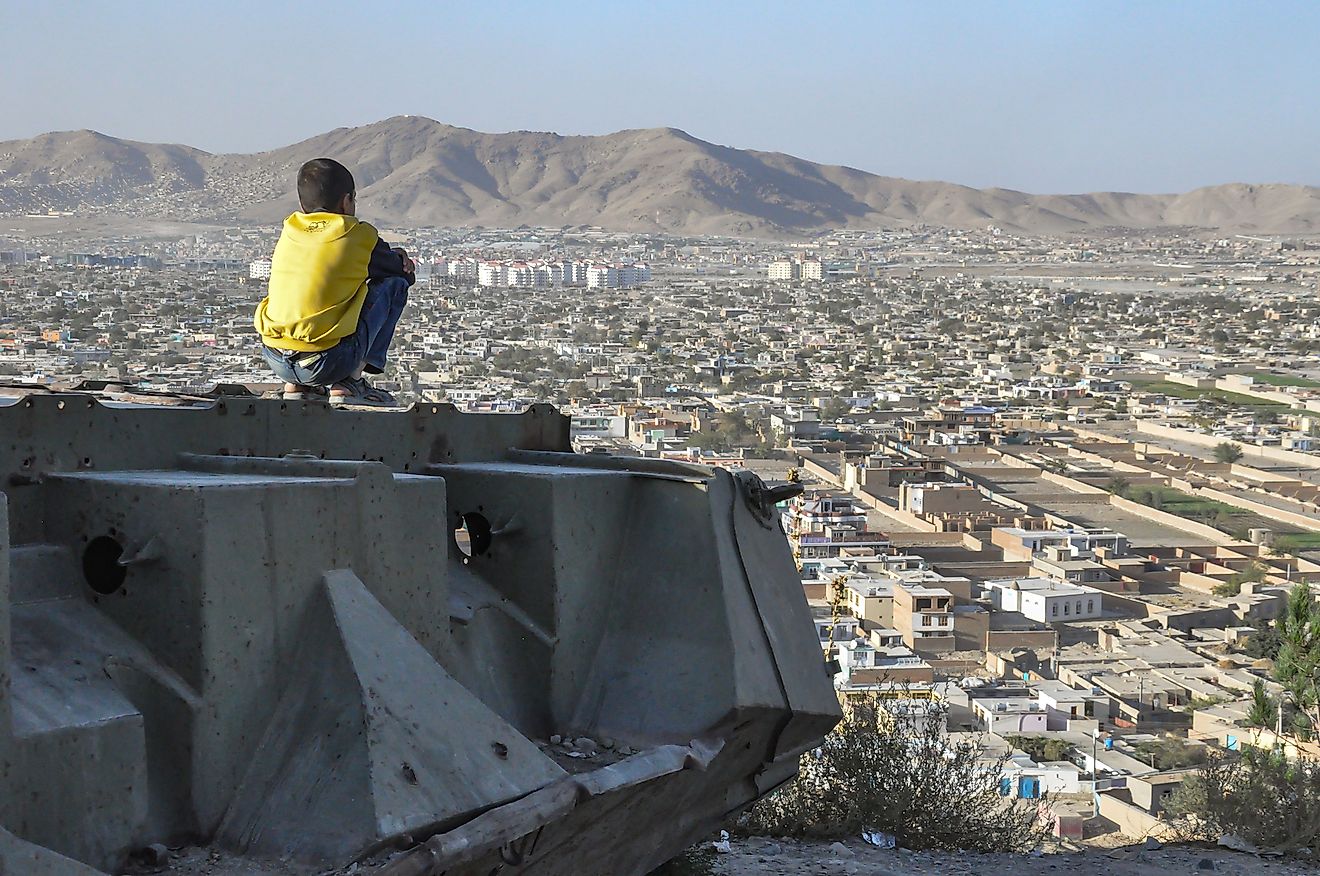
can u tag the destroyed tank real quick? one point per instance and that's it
(417, 642)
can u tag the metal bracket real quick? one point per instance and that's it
(761, 499)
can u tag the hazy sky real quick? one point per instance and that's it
(1056, 96)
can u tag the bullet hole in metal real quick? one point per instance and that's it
(100, 562)
(472, 535)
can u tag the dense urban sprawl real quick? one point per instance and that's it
(1061, 486)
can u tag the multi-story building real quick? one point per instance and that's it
(950, 425)
(923, 616)
(633, 275)
(492, 274)
(796, 422)
(821, 525)
(881, 658)
(796, 268)
(1025, 544)
(259, 269)
(463, 269)
(520, 275)
(602, 277)
(1045, 600)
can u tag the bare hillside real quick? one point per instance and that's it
(418, 171)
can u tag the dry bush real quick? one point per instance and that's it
(1259, 795)
(891, 768)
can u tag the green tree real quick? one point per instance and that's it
(1264, 642)
(1227, 451)
(1297, 667)
(833, 408)
(1252, 574)
(1263, 708)
(1227, 588)
(1041, 748)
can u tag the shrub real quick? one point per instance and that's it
(893, 768)
(1041, 748)
(1229, 588)
(1227, 451)
(1171, 754)
(1260, 795)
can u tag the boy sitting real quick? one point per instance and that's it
(336, 293)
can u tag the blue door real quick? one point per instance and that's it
(1231, 742)
(1028, 787)
(1005, 786)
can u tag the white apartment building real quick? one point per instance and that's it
(492, 274)
(784, 269)
(602, 277)
(520, 275)
(259, 269)
(542, 274)
(796, 268)
(463, 269)
(1046, 600)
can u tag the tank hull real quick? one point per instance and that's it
(321, 636)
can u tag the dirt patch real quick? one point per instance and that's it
(765, 857)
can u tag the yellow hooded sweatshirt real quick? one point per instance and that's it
(318, 280)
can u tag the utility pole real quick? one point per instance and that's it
(1095, 775)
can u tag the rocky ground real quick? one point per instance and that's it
(755, 856)
(764, 857)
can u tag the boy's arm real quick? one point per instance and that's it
(386, 262)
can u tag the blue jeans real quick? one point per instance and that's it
(366, 347)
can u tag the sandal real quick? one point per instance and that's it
(357, 392)
(303, 392)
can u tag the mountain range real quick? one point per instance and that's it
(416, 171)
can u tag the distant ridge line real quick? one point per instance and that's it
(416, 171)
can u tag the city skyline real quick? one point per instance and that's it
(1056, 99)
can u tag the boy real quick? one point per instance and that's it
(336, 293)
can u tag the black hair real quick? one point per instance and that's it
(322, 184)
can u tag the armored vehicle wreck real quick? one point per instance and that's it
(421, 641)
